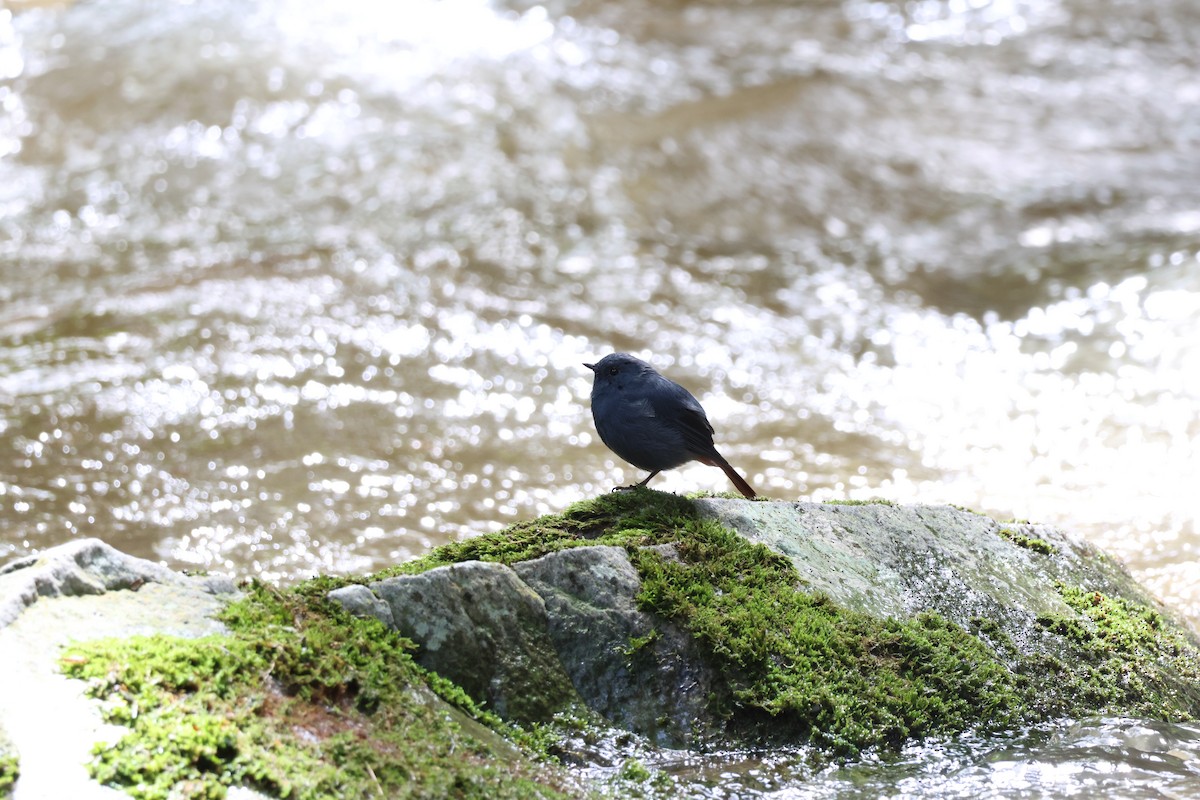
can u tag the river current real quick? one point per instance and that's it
(289, 288)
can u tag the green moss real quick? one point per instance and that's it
(10, 770)
(636, 780)
(800, 667)
(629, 519)
(299, 700)
(967, 510)
(874, 501)
(1028, 542)
(1125, 656)
(634, 770)
(729, 495)
(638, 644)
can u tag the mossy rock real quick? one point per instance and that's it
(297, 700)
(710, 622)
(869, 625)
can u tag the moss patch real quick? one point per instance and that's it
(299, 700)
(10, 770)
(633, 518)
(799, 667)
(1123, 655)
(1028, 542)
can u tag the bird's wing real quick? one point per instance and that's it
(677, 405)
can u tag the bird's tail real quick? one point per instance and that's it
(717, 460)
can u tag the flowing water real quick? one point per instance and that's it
(306, 287)
(1105, 758)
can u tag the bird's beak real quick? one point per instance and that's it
(592, 367)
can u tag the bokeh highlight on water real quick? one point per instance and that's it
(290, 289)
(293, 289)
(306, 287)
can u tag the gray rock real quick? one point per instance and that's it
(899, 561)
(480, 626)
(50, 721)
(362, 602)
(85, 567)
(591, 602)
(493, 630)
(555, 630)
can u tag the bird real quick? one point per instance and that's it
(652, 422)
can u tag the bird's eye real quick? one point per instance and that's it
(613, 370)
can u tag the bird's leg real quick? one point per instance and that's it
(637, 485)
(646, 479)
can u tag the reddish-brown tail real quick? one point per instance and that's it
(738, 480)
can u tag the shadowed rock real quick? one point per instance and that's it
(481, 626)
(600, 635)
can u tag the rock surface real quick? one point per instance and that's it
(85, 567)
(548, 632)
(593, 618)
(899, 561)
(79, 591)
(483, 628)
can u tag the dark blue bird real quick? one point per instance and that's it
(650, 421)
